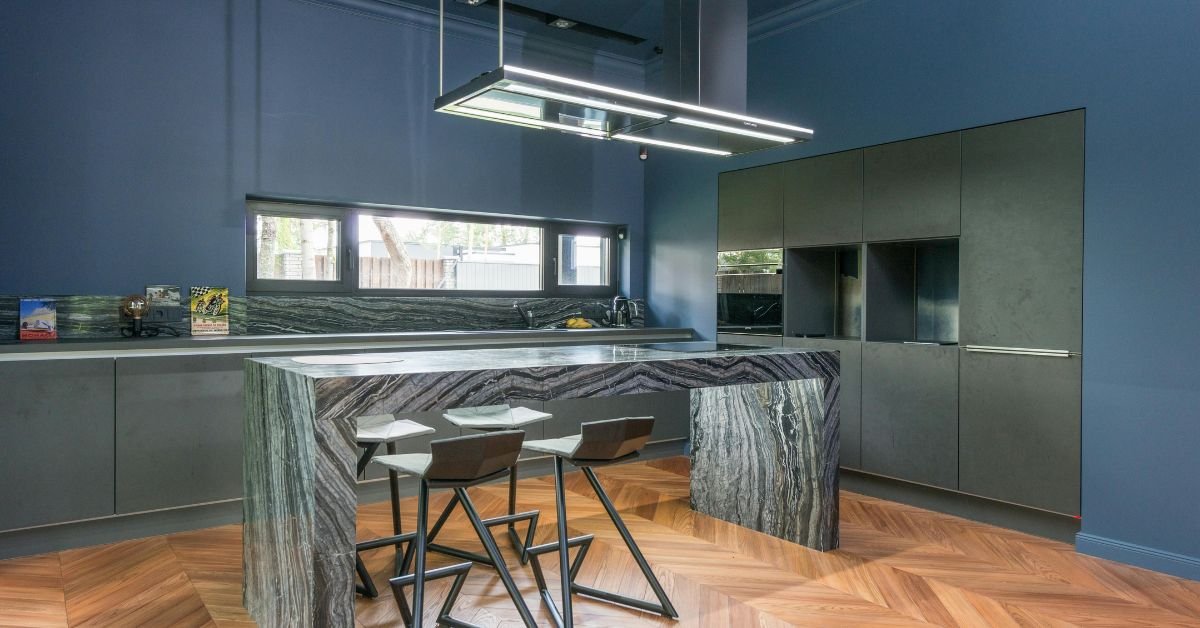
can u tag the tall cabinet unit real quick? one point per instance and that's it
(947, 271)
(1022, 311)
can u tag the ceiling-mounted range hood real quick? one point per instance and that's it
(535, 99)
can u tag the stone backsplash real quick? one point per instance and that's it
(100, 317)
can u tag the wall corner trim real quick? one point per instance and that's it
(796, 15)
(1139, 555)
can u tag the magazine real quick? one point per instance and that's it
(39, 319)
(210, 311)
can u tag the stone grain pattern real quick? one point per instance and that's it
(91, 316)
(300, 451)
(758, 459)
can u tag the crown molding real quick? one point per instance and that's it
(426, 19)
(796, 15)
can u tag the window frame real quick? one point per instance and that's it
(348, 213)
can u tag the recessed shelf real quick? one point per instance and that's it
(824, 292)
(912, 291)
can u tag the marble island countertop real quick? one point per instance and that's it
(765, 419)
(411, 362)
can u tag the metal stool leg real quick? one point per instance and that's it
(419, 581)
(493, 553)
(564, 569)
(667, 609)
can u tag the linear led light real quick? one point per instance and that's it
(647, 140)
(782, 139)
(580, 100)
(525, 122)
(653, 99)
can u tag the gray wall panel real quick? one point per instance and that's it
(910, 412)
(56, 428)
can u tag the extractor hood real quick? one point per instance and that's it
(541, 100)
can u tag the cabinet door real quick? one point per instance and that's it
(750, 339)
(179, 430)
(56, 439)
(850, 394)
(911, 189)
(671, 412)
(910, 412)
(1020, 429)
(823, 199)
(1022, 235)
(750, 209)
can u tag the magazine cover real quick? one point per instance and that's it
(39, 319)
(210, 311)
(165, 296)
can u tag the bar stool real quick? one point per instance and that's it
(373, 431)
(491, 419)
(600, 443)
(455, 463)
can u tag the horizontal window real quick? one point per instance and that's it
(317, 247)
(405, 253)
(295, 248)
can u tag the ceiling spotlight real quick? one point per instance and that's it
(560, 22)
(473, 3)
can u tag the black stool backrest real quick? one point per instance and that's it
(474, 456)
(612, 439)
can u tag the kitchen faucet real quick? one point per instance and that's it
(526, 315)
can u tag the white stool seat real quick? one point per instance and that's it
(495, 417)
(413, 464)
(564, 446)
(385, 428)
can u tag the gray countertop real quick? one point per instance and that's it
(201, 345)
(382, 364)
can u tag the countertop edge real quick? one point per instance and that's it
(118, 348)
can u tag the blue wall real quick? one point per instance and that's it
(133, 131)
(880, 71)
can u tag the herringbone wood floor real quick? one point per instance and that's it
(897, 566)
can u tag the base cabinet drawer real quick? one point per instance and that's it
(178, 430)
(1020, 429)
(671, 412)
(910, 412)
(56, 431)
(850, 394)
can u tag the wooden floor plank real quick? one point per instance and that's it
(898, 566)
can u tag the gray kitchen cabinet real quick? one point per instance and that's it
(1020, 429)
(178, 431)
(850, 393)
(671, 412)
(911, 189)
(823, 199)
(1022, 234)
(56, 423)
(910, 412)
(750, 209)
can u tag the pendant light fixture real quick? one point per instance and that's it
(534, 99)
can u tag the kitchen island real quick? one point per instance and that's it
(764, 432)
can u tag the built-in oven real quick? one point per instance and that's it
(750, 292)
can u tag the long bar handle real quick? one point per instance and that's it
(1045, 353)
